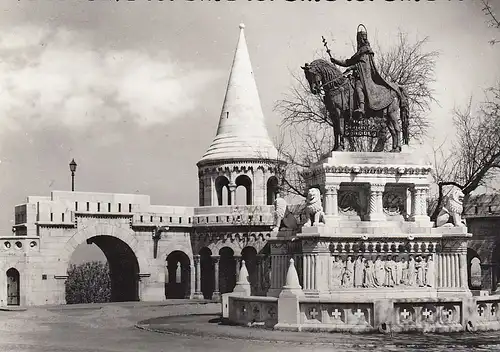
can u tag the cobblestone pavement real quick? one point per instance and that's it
(111, 327)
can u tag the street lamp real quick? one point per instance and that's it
(72, 168)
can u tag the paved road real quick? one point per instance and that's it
(111, 328)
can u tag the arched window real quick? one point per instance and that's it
(272, 189)
(222, 190)
(474, 269)
(243, 190)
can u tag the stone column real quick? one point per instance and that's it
(232, 193)
(197, 273)
(463, 269)
(331, 200)
(258, 284)
(237, 261)
(376, 205)
(419, 202)
(216, 294)
(213, 192)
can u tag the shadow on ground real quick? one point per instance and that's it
(210, 325)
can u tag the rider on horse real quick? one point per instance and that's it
(367, 78)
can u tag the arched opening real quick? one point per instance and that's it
(207, 273)
(222, 190)
(249, 255)
(13, 287)
(122, 262)
(495, 267)
(178, 275)
(243, 190)
(227, 270)
(272, 189)
(474, 270)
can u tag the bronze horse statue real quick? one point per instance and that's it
(339, 101)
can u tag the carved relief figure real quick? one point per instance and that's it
(390, 268)
(419, 265)
(451, 214)
(411, 271)
(369, 280)
(347, 278)
(337, 271)
(429, 272)
(359, 271)
(399, 271)
(314, 208)
(379, 272)
(404, 273)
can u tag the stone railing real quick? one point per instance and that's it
(253, 310)
(162, 219)
(249, 215)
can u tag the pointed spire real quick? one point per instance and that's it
(292, 279)
(242, 133)
(243, 285)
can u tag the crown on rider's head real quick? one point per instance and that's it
(363, 28)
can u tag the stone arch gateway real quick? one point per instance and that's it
(137, 236)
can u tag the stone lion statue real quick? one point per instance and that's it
(282, 216)
(451, 214)
(314, 208)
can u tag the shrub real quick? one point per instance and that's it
(88, 283)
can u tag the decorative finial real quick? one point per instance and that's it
(242, 25)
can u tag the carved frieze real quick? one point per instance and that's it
(382, 271)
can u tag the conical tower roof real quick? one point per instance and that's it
(242, 132)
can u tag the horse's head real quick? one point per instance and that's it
(313, 77)
(321, 74)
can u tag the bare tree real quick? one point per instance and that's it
(492, 18)
(307, 130)
(474, 159)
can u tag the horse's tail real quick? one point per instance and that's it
(404, 113)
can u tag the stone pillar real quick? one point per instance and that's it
(331, 200)
(237, 261)
(376, 212)
(197, 273)
(216, 294)
(213, 192)
(279, 259)
(316, 265)
(232, 193)
(463, 269)
(419, 202)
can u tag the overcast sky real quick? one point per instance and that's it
(133, 90)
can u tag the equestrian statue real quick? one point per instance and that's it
(358, 97)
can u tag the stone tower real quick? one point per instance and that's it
(241, 153)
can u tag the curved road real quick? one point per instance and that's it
(111, 328)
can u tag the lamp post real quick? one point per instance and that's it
(72, 168)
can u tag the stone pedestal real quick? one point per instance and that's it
(316, 263)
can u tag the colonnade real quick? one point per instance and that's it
(259, 274)
(376, 209)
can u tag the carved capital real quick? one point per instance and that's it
(377, 187)
(331, 189)
(216, 259)
(196, 259)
